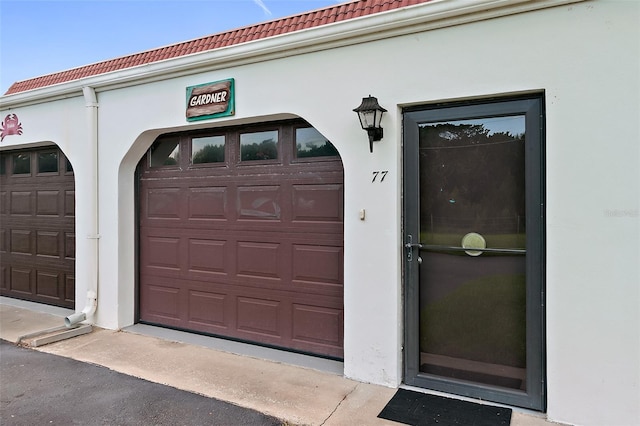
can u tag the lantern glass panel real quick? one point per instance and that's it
(367, 119)
(377, 118)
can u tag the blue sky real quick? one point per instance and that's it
(42, 37)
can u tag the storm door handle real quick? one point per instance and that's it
(410, 245)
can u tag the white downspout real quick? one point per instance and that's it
(91, 104)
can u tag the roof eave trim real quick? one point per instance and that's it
(396, 22)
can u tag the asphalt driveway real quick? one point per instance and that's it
(43, 389)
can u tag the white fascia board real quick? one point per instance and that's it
(407, 20)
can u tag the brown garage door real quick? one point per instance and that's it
(37, 226)
(241, 235)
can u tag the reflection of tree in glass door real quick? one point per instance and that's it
(474, 195)
(472, 312)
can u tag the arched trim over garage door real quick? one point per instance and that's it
(241, 235)
(37, 226)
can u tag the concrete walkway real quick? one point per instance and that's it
(296, 394)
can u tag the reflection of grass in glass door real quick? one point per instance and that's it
(483, 320)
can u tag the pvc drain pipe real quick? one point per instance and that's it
(90, 309)
(91, 104)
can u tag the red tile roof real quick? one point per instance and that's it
(289, 24)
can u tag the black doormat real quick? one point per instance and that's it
(421, 409)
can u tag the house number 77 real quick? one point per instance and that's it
(382, 174)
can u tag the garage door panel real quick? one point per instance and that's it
(4, 202)
(317, 325)
(259, 259)
(259, 316)
(70, 203)
(163, 203)
(208, 256)
(21, 281)
(69, 288)
(21, 241)
(21, 203)
(48, 203)
(164, 303)
(259, 203)
(319, 264)
(318, 203)
(163, 252)
(48, 284)
(208, 203)
(48, 243)
(4, 280)
(209, 310)
(69, 245)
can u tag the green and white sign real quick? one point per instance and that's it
(211, 100)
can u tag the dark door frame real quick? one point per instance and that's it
(532, 106)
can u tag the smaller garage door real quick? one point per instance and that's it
(37, 226)
(241, 235)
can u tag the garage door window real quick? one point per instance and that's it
(259, 146)
(311, 143)
(47, 162)
(209, 149)
(21, 164)
(165, 152)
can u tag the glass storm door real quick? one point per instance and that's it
(473, 248)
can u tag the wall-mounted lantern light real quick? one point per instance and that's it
(370, 115)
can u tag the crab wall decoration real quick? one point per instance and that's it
(10, 126)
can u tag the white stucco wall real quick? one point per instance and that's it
(585, 57)
(64, 124)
